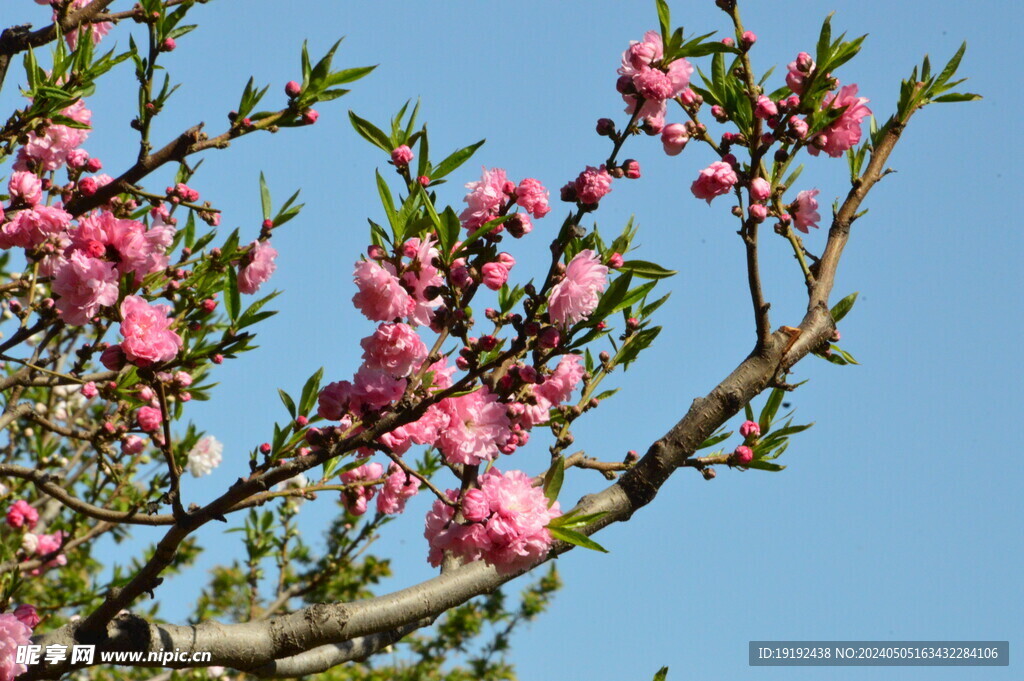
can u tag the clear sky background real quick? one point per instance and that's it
(899, 515)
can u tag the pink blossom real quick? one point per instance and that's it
(674, 138)
(21, 514)
(31, 227)
(96, 30)
(27, 615)
(89, 390)
(576, 296)
(420, 276)
(147, 332)
(380, 297)
(397, 489)
(554, 391)
(495, 274)
(798, 126)
(13, 634)
(765, 108)
(138, 250)
(50, 150)
(401, 155)
(428, 428)
(149, 418)
(394, 348)
(592, 184)
(641, 53)
(25, 187)
(334, 399)
(508, 523)
(477, 427)
(799, 70)
(484, 199)
(132, 445)
(760, 189)
(750, 429)
(715, 180)
(533, 197)
(743, 455)
(257, 266)
(844, 132)
(357, 498)
(375, 389)
(806, 212)
(83, 285)
(47, 544)
(616, 261)
(758, 211)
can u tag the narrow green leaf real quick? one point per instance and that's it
(576, 538)
(265, 197)
(370, 132)
(553, 480)
(765, 466)
(771, 407)
(664, 20)
(958, 97)
(454, 160)
(843, 307)
(289, 404)
(661, 675)
(647, 270)
(232, 300)
(310, 392)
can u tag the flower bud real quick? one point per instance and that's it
(292, 89)
(750, 429)
(743, 455)
(605, 127)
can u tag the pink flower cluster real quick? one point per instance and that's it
(506, 523)
(21, 514)
(578, 293)
(715, 180)
(97, 253)
(52, 148)
(642, 74)
(13, 634)
(805, 210)
(148, 337)
(257, 266)
(844, 132)
(394, 289)
(494, 195)
(96, 31)
(590, 186)
(398, 487)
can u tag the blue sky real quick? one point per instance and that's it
(899, 515)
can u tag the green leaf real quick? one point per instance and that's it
(453, 161)
(389, 205)
(289, 404)
(232, 301)
(664, 20)
(576, 538)
(265, 197)
(612, 297)
(347, 75)
(771, 407)
(843, 307)
(647, 270)
(661, 675)
(370, 132)
(310, 392)
(253, 315)
(573, 520)
(765, 466)
(958, 97)
(951, 66)
(715, 439)
(824, 46)
(553, 480)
